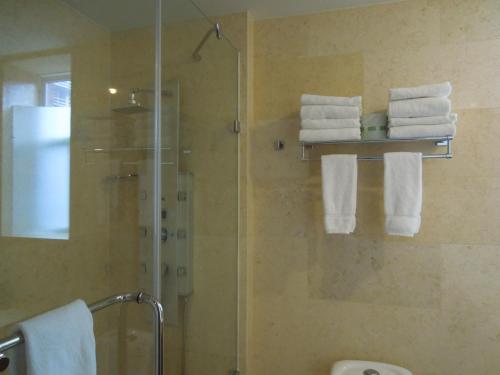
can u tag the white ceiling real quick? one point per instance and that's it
(115, 15)
(262, 9)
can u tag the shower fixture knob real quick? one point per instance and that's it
(4, 362)
(164, 234)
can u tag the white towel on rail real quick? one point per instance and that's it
(402, 193)
(308, 99)
(424, 107)
(452, 118)
(330, 124)
(422, 131)
(339, 175)
(329, 135)
(437, 90)
(59, 342)
(318, 112)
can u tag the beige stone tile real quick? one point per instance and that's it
(287, 211)
(476, 85)
(469, 279)
(470, 341)
(280, 266)
(278, 90)
(469, 20)
(332, 331)
(384, 273)
(408, 23)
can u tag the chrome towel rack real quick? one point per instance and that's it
(438, 142)
(138, 297)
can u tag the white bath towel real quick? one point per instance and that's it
(318, 112)
(437, 90)
(422, 131)
(452, 118)
(339, 175)
(402, 193)
(59, 342)
(329, 135)
(308, 99)
(424, 107)
(330, 124)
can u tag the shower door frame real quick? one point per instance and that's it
(157, 181)
(157, 175)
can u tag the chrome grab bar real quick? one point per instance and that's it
(139, 297)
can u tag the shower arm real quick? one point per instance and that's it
(216, 28)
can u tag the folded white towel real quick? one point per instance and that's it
(318, 112)
(330, 124)
(433, 120)
(59, 342)
(424, 107)
(308, 99)
(426, 91)
(329, 135)
(422, 131)
(402, 193)
(339, 176)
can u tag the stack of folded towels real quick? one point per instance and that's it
(330, 118)
(421, 112)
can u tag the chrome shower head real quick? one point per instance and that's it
(133, 105)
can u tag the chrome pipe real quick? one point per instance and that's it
(217, 29)
(138, 297)
(10, 342)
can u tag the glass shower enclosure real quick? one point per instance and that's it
(119, 173)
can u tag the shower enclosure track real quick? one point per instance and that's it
(138, 297)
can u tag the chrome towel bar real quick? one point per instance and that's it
(438, 142)
(138, 297)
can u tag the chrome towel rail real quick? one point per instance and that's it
(138, 297)
(438, 142)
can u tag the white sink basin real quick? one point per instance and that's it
(367, 368)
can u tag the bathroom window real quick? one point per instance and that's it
(36, 155)
(57, 93)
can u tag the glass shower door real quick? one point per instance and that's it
(76, 126)
(200, 193)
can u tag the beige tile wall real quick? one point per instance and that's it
(430, 303)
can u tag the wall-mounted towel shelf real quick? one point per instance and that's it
(307, 147)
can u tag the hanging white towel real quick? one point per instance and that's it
(424, 107)
(329, 135)
(425, 91)
(330, 124)
(59, 342)
(402, 193)
(339, 174)
(432, 120)
(318, 112)
(422, 131)
(308, 99)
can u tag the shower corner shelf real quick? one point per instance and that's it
(102, 150)
(438, 142)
